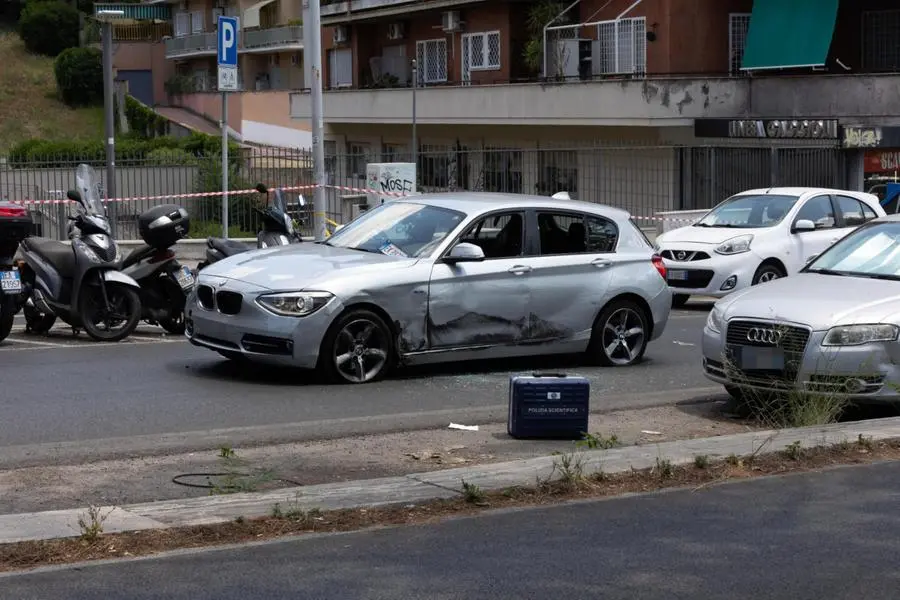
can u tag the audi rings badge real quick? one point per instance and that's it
(764, 336)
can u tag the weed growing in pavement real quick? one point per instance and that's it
(865, 442)
(593, 441)
(235, 478)
(570, 469)
(734, 460)
(664, 468)
(294, 512)
(472, 493)
(701, 461)
(91, 523)
(793, 451)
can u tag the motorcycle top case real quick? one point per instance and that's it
(15, 226)
(548, 406)
(161, 226)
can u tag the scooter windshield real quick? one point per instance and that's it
(279, 204)
(88, 184)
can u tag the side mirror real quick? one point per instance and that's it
(465, 252)
(73, 195)
(261, 188)
(804, 225)
(301, 200)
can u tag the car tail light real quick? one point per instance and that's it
(13, 211)
(658, 263)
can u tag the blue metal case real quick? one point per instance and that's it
(548, 406)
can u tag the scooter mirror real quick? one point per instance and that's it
(261, 188)
(301, 200)
(73, 195)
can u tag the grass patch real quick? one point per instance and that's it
(570, 483)
(30, 105)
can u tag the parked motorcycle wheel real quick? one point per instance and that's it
(116, 322)
(7, 316)
(36, 322)
(174, 298)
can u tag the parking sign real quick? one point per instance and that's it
(227, 53)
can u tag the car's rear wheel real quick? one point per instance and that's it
(358, 348)
(620, 335)
(679, 300)
(767, 272)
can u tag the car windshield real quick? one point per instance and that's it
(749, 211)
(398, 228)
(872, 251)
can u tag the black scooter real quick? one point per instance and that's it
(164, 282)
(277, 230)
(15, 226)
(82, 282)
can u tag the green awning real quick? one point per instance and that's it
(786, 34)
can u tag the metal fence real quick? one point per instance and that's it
(642, 180)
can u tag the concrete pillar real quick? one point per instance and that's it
(855, 172)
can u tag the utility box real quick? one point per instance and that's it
(548, 406)
(389, 181)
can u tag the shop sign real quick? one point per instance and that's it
(821, 129)
(882, 161)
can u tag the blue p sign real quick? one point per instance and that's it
(227, 39)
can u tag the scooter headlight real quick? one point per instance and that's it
(87, 251)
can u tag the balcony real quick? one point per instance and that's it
(277, 38)
(255, 40)
(345, 11)
(197, 44)
(662, 102)
(864, 99)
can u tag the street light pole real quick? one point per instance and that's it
(415, 142)
(109, 112)
(312, 35)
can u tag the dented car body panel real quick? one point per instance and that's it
(440, 310)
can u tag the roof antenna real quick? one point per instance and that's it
(561, 196)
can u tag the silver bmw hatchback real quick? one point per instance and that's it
(439, 278)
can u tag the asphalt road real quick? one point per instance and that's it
(65, 389)
(819, 535)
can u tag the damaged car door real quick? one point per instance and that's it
(479, 300)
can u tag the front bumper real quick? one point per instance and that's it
(870, 372)
(708, 277)
(253, 331)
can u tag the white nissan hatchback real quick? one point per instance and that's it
(757, 236)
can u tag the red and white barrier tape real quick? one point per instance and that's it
(296, 188)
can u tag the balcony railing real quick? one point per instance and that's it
(195, 44)
(199, 44)
(273, 38)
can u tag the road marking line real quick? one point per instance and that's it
(36, 343)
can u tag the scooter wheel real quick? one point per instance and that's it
(7, 316)
(125, 307)
(36, 322)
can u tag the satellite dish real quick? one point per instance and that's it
(561, 196)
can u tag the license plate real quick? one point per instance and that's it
(751, 358)
(10, 282)
(677, 275)
(185, 278)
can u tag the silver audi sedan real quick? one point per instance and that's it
(439, 278)
(832, 328)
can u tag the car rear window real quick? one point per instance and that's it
(641, 233)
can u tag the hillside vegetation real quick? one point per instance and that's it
(29, 102)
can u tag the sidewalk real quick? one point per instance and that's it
(421, 487)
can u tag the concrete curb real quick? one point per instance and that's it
(420, 487)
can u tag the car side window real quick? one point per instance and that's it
(851, 211)
(603, 234)
(868, 213)
(818, 210)
(561, 233)
(499, 235)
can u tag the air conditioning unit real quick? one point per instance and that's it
(395, 31)
(450, 21)
(341, 34)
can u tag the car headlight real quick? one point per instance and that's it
(856, 335)
(735, 245)
(294, 304)
(715, 319)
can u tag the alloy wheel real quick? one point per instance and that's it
(360, 351)
(623, 336)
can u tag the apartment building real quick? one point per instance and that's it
(650, 86)
(171, 60)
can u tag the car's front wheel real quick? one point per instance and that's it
(620, 335)
(358, 348)
(767, 272)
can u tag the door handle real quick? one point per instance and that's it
(601, 262)
(519, 269)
